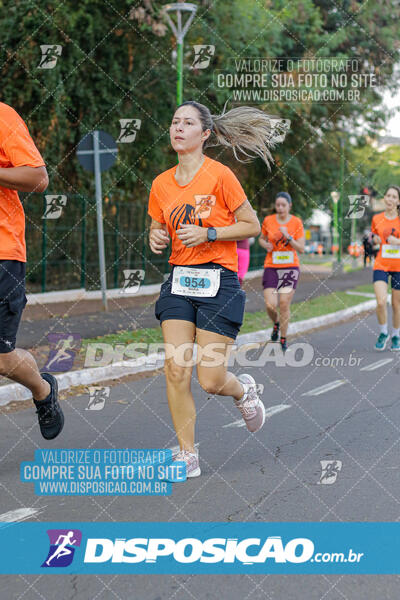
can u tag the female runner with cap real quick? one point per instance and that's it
(282, 235)
(386, 231)
(201, 207)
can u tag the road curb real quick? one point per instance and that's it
(15, 392)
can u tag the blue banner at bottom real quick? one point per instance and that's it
(200, 548)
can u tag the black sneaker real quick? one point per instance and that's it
(283, 344)
(275, 332)
(50, 415)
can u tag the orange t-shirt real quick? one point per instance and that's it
(282, 255)
(208, 200)
(384, 227)
(16, 150)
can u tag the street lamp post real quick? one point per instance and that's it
(341, 202)
(179, 30)
(335, 199)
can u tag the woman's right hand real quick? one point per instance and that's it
(158, 240)
(268, 246)
(265, 244)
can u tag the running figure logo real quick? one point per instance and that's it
(62, 547)
(132, 280)
(129, 128)
(50, 54)
(64, 346)
(330, 471)
(54, 206)
(287, 279)
(202, 56)
(357, 206)
(97, 397)
(203, 205)
(279, 129)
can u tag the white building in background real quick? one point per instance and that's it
(385, 142)
(318, 230)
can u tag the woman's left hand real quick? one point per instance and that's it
(392, 239)
(192, 235)
(284, 230)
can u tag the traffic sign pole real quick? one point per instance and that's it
(95, 160)
(99, 211)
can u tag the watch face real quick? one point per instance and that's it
(211, 234)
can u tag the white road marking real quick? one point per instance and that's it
(20, 514)
(269, 412)
(376, 365)
(326, 388)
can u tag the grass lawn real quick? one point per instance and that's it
(314, 307)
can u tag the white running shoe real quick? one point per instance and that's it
(250, 405)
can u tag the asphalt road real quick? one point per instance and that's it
(347, 410)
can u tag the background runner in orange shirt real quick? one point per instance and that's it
(21, 168)
(282, 235)
(201, 207)
(386, 231)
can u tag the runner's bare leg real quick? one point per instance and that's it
(20, 366)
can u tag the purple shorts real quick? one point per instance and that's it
(282, 280)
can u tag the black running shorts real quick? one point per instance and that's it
(12, 301)
(221, 314)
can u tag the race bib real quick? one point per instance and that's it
(188, 281)
(390, 251)
(283, 257)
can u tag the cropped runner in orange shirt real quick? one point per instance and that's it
(386, 232)
(21, 168)
(200, 206)
(282, 235)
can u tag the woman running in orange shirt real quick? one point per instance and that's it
(282, 235)
(201, 207)
(386, 231)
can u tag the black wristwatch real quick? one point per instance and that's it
(211, 234)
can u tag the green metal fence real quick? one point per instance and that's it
(63, 254)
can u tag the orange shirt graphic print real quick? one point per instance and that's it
(184, 213)
(204, 204)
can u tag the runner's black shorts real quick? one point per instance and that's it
(12, 301)
(221, 314)
(380, 275)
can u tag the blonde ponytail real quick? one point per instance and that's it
(249, 131)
